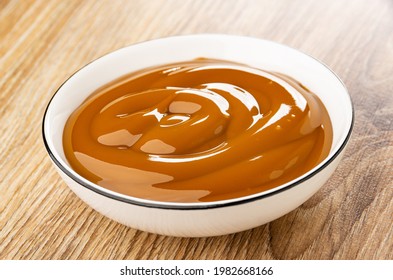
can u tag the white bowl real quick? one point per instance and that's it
(206, 218)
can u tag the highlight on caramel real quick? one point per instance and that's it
(197, 131)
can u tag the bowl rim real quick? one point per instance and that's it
(197, 205)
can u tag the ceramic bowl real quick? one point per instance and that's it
(208, 218)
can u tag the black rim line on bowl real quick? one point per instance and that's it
(158, 204)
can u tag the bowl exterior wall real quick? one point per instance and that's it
(203, 222)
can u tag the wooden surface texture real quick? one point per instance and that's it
(43, 42)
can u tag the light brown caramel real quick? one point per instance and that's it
(196, 131)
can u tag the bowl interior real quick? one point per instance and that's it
(258, 53)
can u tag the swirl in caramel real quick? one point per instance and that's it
(197, 131)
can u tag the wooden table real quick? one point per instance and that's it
(43, 42)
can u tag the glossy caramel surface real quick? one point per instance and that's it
(197, 131)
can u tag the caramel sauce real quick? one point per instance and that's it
(197, 131)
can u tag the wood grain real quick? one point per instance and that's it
(43, 42)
